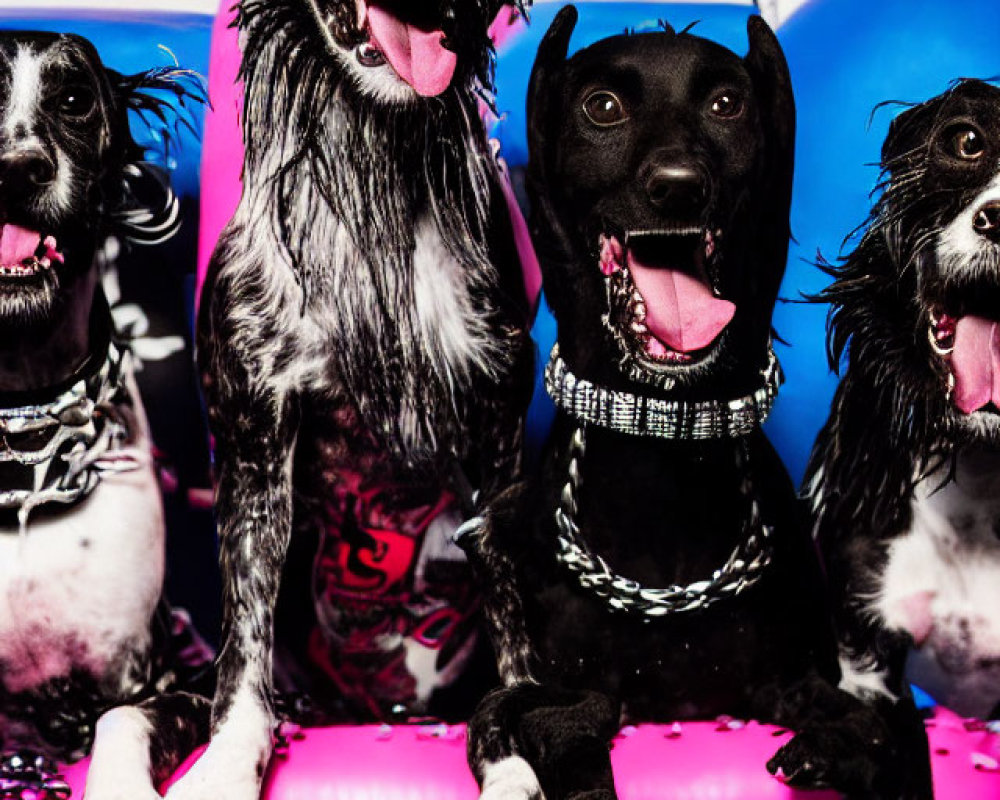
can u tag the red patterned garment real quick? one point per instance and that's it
(393, 607)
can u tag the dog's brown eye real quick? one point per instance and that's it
(604, 109)
(76, 101)
(967, 144)
(727, 105)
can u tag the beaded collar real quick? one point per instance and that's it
(636, 415)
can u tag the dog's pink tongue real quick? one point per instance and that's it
(17, 244)
(975, 362)
(681, 311)
(417, 55)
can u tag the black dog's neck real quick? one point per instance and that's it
(658, 511)
(36, 358)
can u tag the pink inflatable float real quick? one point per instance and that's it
(721, 760)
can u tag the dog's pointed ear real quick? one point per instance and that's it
(549, 62)
(543, 112)
(772, 86)
(772, 83)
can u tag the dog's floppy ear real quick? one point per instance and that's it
(144, 206)
(904, 149)
(909, 133)
(543, 113)
(772, 84)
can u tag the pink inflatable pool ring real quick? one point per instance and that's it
(722, 760)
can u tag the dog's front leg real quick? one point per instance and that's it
(539, 742)
(136, 748)
(255, 432)
(872, 748)
(528, 741)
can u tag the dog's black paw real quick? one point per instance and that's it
(841, 758)
(810, 762)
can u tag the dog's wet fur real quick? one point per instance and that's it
(904, 474)
(364, 315)
(84, 626)
(670, 133)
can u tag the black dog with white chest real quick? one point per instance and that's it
(83, 627)
(904, 476)
(659, 562)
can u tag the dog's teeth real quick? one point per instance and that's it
(638, 327)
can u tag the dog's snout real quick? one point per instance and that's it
(676, 187)
(26, 170)
(986, 222)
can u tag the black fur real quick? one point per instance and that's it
(707, 140)
(325, 237)
(892, 421)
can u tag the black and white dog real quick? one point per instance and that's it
(660, 561)
(905, 475)
(82, 625)
(362, 341)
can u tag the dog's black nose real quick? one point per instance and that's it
(676, 187)
(986, 222)
(25, 171)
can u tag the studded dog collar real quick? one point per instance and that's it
(665, 419)
(56, 451)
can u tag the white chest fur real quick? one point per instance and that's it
(452, 329)
(81, 587)
(942, 583)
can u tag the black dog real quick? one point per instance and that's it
(660, 178)
(362, 340)
(904, 475)
(82, 623)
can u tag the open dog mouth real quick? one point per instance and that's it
(664, 305)
(415, 50)
(25, 254)
(969, 346)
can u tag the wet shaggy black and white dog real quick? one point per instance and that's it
(362, 341)
(905, 474)
(82, 624)
(659, 563)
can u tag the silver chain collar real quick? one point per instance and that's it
(67, 444)
(666, 419)
(742, 570)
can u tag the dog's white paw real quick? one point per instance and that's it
(212, 780)
(232, 768)
(510, 779)
(119, 764)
